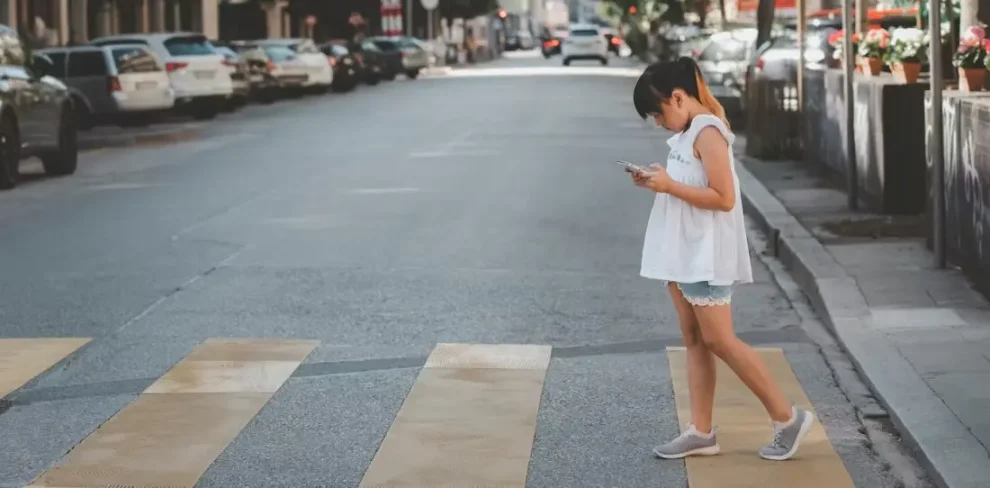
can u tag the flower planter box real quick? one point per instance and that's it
(889, 137)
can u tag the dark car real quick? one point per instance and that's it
(346, 66)
(390, 55)
(549, 43)
(36, 114)
(374, 61)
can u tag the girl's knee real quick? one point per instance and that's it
(719, 344)
(692, 335)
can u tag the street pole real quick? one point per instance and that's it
(938, 158)
(409, 13)
(852, 173)
(801, 29)
(429, 26)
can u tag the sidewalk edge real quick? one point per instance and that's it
(951, 454)
(85, 143)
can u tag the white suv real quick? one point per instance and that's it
(584, 41)
(198, 73)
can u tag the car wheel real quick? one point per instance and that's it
(604, 61)
(10, 152)
(567, 62)
(65, 158)
(373, 80)
(412, 74)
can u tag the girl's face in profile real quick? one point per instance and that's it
(673, 114)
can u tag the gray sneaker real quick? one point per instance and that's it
(689, 443)
(787, 439)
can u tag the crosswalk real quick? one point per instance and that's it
(469, 420)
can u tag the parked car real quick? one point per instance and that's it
(390, 57)
(36, 116)
(347, 70)
(285, 66)
(264, 85)
(240, 74)
(584, 41)
(723, 64)
(316, 64)
(196, 71)
(519, 40)
(373, 61)
(412, 53)
(550, 41)
(117, 84)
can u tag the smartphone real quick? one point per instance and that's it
(631, 168)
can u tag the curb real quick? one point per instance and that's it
(951, 454)
(89, 142)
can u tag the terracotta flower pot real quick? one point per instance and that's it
(971, 79)
(906, 72)
(872, 66)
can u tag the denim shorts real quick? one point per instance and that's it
(702, 294)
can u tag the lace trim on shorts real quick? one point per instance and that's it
(707, 301)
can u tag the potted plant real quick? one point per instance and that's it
(836, 41)
(908, 50)
(970, 59)
(873, 49)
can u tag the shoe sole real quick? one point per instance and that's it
(703, 451)
(805, 427)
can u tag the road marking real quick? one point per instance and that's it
(177, 427)
(469, 420)
(743, 427)
(378, 191)
(23, 359)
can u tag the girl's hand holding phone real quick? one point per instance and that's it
(655, 179)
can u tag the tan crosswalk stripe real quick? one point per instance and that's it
(177, 427)
(469, 420)
(743, 427)
(23, 359)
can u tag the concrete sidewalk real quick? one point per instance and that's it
(919, 336)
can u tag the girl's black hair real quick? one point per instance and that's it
(660, 80)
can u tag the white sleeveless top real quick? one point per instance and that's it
(687, 244)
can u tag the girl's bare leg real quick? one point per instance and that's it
(700, 363)
(715, 323)
(699, 439)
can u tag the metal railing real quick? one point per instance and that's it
(773, 120)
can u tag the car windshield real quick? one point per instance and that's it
(189, 46)
(335, 50)
(726, 50)
(385, 45)
(370, 47)
(278, 53)
(584, 32)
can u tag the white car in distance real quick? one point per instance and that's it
(584, 41)
(197, 72)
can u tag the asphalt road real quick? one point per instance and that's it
(380, 223)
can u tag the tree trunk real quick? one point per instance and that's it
(721, 10)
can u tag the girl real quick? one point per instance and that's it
(696, 244)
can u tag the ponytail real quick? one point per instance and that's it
(661, 79)
(706, 98)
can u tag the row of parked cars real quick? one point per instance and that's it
(730, 59)
(46, 96)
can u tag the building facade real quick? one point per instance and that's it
(61, 22)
